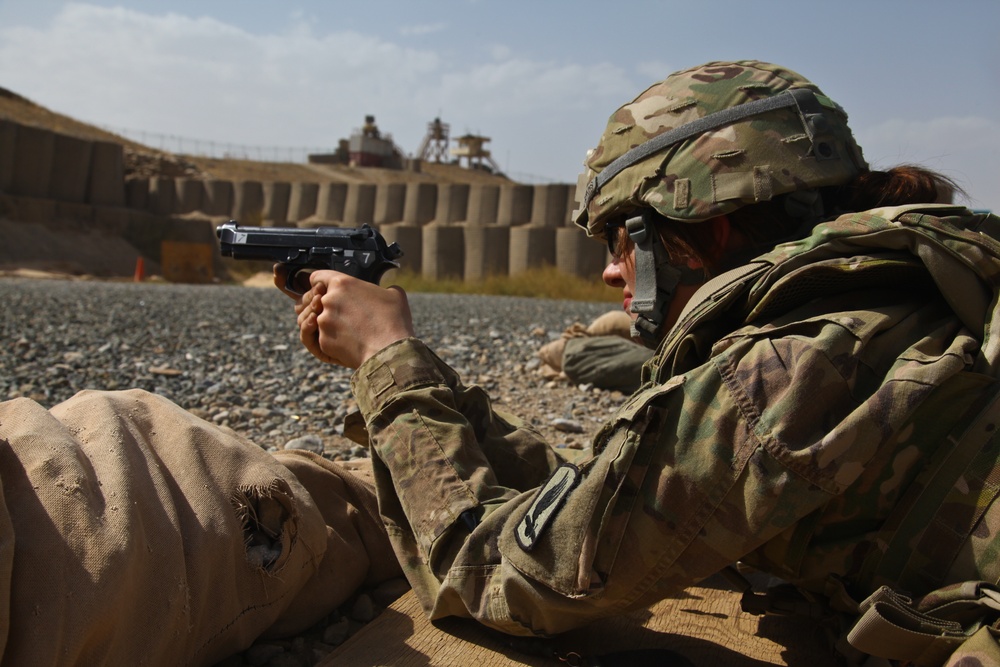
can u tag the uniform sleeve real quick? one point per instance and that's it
(443, 453)
(691, 474)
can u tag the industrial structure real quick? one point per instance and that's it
(434, 147)
(470, 147)
(369, 148)
(366, 147)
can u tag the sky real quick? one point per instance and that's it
(919, 79)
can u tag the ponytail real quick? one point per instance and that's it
(905, 184)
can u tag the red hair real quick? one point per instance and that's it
(905, 184)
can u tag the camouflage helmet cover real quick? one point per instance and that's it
(769, 152)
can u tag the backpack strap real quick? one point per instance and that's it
(923, 535)
(937, 210)
(721, 285)
(922, 538)
(928, 632)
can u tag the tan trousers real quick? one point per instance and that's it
(133, 532)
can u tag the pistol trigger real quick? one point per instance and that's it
(297, 280)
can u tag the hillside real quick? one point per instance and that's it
(143, 161)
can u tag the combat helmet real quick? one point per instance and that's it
(709, 140)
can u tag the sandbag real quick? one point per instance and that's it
(608, 362)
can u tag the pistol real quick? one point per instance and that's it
(360, 252)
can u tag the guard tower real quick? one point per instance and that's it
(470, 147)
(435, 144)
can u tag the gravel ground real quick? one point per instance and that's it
(231, 355)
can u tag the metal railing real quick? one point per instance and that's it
(172, 143)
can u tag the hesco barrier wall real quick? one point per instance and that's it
(446, 230)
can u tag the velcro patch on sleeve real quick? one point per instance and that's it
(547, 503)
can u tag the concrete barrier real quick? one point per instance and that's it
(487, 251)
(302, 201)
(515, 205)
(411, 241)
(8, 141)
(390, 200)
(483, 203)
(452, 203)
(217, 198)
(276, 195)
(330, 202)
(508, 228)
(162, 196)
(33, 151)
(106, 186)
(70, 169)
(443, 252)
(144, 231)
(578, 255)
(137, 193)
(96, 240)
(421, 203)
(531, 247)
(548, 205)
(360, 205)
(147, 234)
(248, 203)
(571, 205)
(27, 209)
(190, 194)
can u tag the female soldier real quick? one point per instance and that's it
(819, 366)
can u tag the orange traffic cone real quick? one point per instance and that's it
(140, 271)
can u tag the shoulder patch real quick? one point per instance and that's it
(547, 503)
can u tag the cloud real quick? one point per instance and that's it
(519, 87)
(965, 148)
(175, 73)
(201, 78)
(541, 116)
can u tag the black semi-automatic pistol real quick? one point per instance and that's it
(360, 252)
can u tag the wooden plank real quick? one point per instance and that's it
(706, 626)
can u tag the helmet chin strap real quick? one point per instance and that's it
(656, 279)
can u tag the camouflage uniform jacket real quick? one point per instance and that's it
(778, 424)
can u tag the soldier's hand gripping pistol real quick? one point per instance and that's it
(360, 252)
